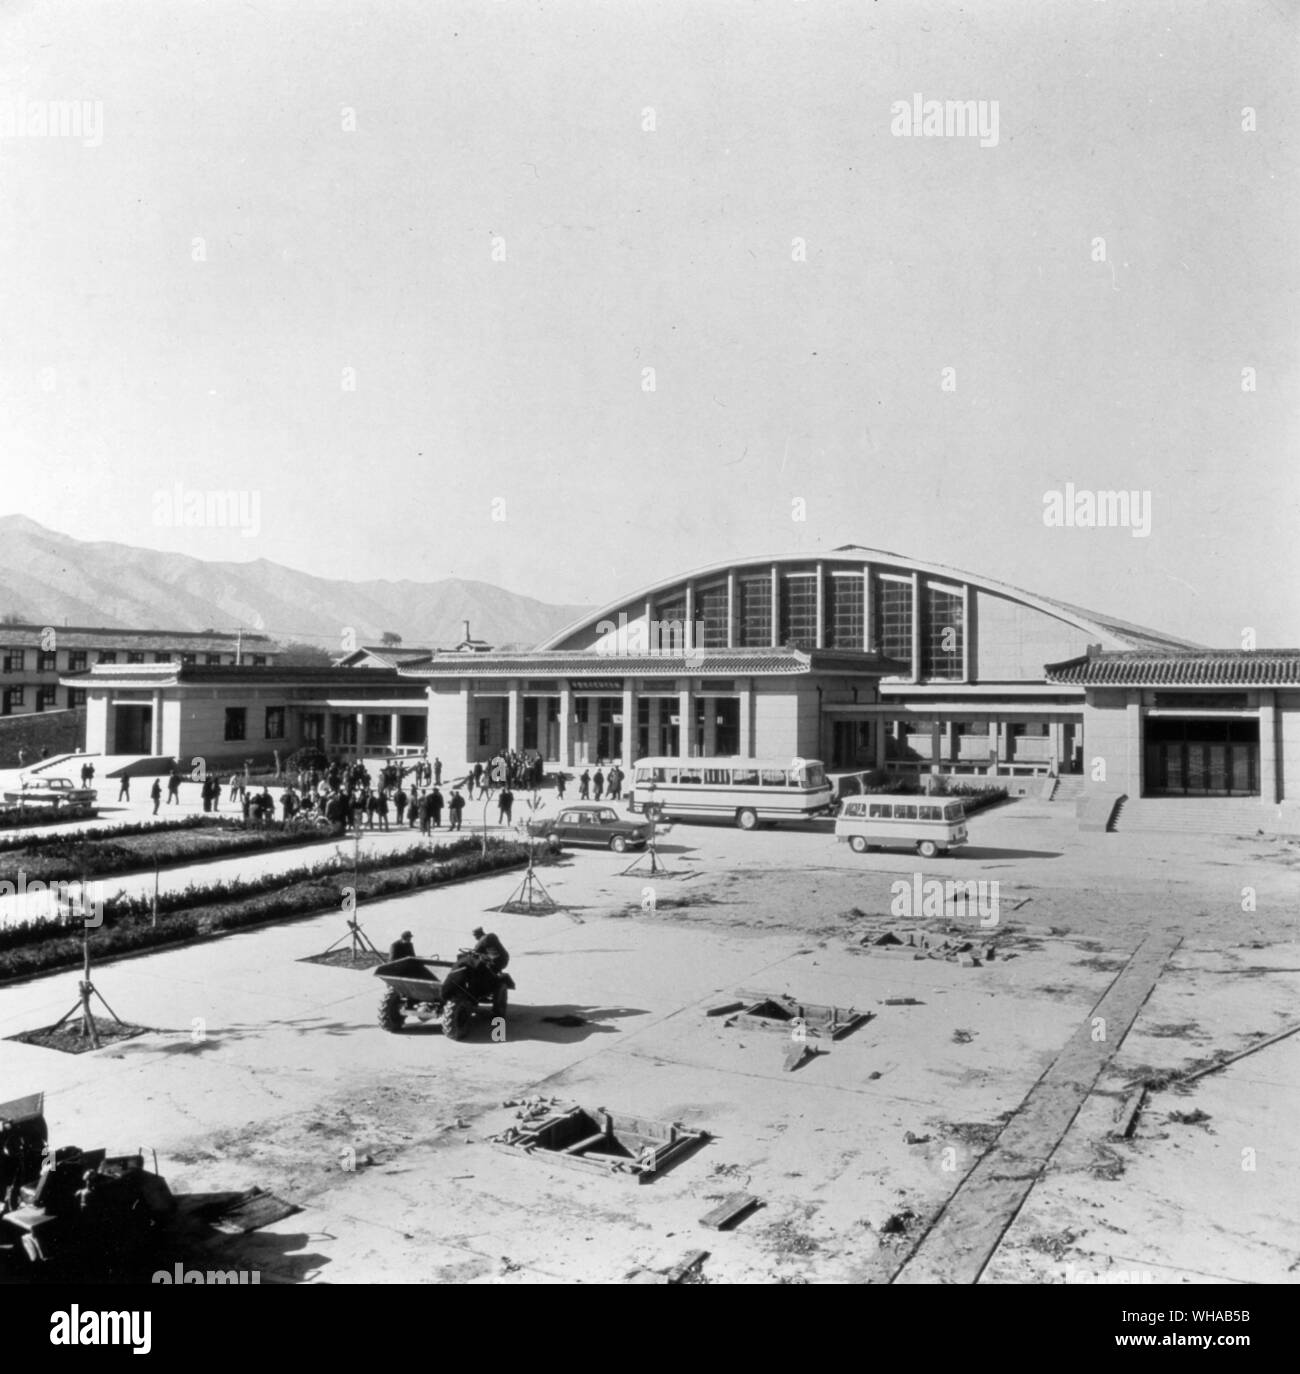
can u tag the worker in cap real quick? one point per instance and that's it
(491, 949)
(402, 949)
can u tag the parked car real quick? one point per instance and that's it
(56, 792)
(598, 825)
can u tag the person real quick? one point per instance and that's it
(216, 792)
(456, 805)
(437, 772)
(401, 949)
(383, 808)
(559, 785)
(504, 802)
(584, 786)
(413, 808)
(424, 813)
(435, 807)
(155, 793)
(174, 787)
(490, 947)
(598, 781)
(476, 783)
(615, 783)
(124, 791)
(22, 757)
(399, 803)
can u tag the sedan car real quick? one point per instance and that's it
(598, 825)
(51, 792)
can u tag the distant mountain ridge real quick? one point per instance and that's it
(55, 579)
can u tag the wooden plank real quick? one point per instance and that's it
(729, 1211)
(685, 1265)
(1241, 1054)
(725, 1009)
(968, 1230)
(1126, 1116)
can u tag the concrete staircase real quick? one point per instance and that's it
(1194, 815)
(1068, 788)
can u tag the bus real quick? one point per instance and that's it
(744, 790)
(931, 826)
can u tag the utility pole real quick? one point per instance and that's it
(239, 646)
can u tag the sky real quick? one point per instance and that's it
(573, 296)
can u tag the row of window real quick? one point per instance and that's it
(15, 660)
(44, 698)
(237, 723)
(943, 627)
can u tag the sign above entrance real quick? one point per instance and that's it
(598, 685)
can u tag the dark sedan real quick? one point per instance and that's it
(598, 825)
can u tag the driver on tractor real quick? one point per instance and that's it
(489, 947)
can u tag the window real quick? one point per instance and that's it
(669, 633)
(76, 660)
(236, 722)
(259, 660)
(904, 813)
(690, 777)
(275, 722)
(881, 811)
(844, 611)
(18, 696)
(930, 813)
(607, 817)
(774, 777)
(162, 658)
(47, 661)
(711, 608)
(14, 661)
(718, 777)
(755, 616)
(484, 725)
(942, 634)
(744, 777)
(855, 808)
(894, 618)
(189, 660)
(212, 660)
(799, 610)
(954, 811)
(76, 697)
(107, 656)
(135, 656)
(46, 698)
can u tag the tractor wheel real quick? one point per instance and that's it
(456, 1017)
(747, 819)
(927, 849)
(858, 845)
(500, 1001)
(391, 1015)
(618, 844)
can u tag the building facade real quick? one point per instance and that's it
(35, 658)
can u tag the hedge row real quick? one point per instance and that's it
(202, 912)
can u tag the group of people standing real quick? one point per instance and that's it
(595, 786)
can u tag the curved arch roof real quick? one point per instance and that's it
(1114, 633)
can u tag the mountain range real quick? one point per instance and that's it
(51, 578)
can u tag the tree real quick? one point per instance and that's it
(390, 640)
(296, 654)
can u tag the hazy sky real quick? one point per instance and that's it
(645, 172)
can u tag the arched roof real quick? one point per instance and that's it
(1113, 633)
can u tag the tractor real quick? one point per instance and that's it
(438, 988)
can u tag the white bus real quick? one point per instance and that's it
(931, 826)
(744, 790)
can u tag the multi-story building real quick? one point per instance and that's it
(33, 658)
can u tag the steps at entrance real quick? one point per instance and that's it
(1068, 788)
(1194, 815)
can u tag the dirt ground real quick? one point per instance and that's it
(272, 1072)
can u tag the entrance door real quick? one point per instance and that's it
(1187, 757)
(134, 729)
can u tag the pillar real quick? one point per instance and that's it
(710, 727)
(1133, 744)
(731, 608)
(155, 724)
(566, 721)
(1054, 745)
(916, 627)
(776, 607)
(685, 722)
(820, 640)
(629, 727)
(394, 730)
(994, 761)
(881, 725)
(688, 624)
(361, 733)
(745, 746)
(514, 720)
(1270, 789)
(868, 589)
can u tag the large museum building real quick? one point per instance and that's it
(863, 658)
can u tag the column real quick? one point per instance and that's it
(514, 719)
(155, 724)
(916, 627)
(688, 625)
(776, 607)
(361, 733)
(710, 727)
(731, 609)
(394, 730)
(629, 725)
(880, 724)
(1270, 791)
(1133, 744)
(566, 721)
(745, 746)
(936, 744)
(1054, 745)
(685, 722)
(965, 632)
(868, 589)
(993, 745)
(820, 641)
(653, 729)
